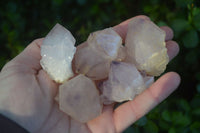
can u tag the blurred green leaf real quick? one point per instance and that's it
(184, 105)
(191, 39)
(195, 103)
(179, 25)
(172, 130)
(151, 127)
(180, 119)
(131, 130)
(196, 111)
(142, 121)
(162, 23)
(191, 57)
(196, 21)
(166, 115)
(195, 125)
(183, 3)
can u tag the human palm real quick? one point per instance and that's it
(27, 95)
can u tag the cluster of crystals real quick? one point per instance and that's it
(124, 72)
(94, 59)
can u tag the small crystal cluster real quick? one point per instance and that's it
(122, 72)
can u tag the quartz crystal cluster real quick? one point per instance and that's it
(145, 44)
(57, 52)
(105, 70)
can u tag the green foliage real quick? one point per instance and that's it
(23, 21)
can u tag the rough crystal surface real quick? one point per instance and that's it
(94, 59)
(145, 44)
(105, 41)
(124, 82)
(57, 52)
(80, 99)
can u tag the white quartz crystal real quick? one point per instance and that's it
(145, 43)
(57, 52)
(124, 82)
(79, 98)
(94, 59)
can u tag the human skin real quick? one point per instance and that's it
(27, 95)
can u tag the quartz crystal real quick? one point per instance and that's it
(145, 43)
(124, 82)
(94, 59)
(79, 98)
(57, 52)
(148, 80)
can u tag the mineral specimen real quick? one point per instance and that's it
(57, 52)
(124, 82)
(145, 44)
(79, 98)
(94, 59)
(143, 56)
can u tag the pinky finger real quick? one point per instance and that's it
(128, 113)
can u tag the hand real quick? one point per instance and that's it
(27, 95)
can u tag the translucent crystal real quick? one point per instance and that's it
(106, 41)
(94, 59)
(79, 98)
(123, 83)
(145, 44)
(148, 80)
(57, 52)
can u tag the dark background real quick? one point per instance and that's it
(22, 21)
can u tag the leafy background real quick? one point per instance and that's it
(23, 21)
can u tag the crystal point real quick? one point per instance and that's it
(79, 98)
(94, 59)
(123, 83)
(145, 44)
(57, 51)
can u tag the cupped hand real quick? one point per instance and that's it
(27, 95)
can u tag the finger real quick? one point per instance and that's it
(29, 57)
(48, 86)
(172, 49)
(104, 122)
(131, 111)
(169, 33)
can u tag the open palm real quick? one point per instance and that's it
(27, 95)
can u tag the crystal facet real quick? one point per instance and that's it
(57, 52)
(124, 82)
(145, 44)
(94, 59)
(80, 99)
